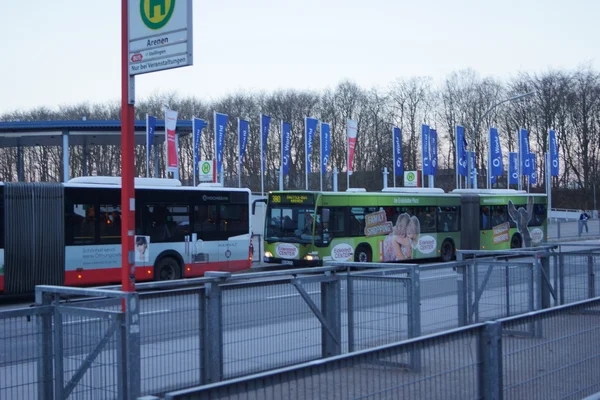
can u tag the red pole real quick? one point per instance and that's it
(127, 164)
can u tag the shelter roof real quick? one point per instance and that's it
(49, 133)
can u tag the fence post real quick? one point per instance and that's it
(561, 278)
(133, 365)
(591, 277)
(350, 300)
(331, 345)
(59, 374)
(45, 369)
(461, 291)
(414, 315)
(212, 329)
(490, 365)
(558, 229)
(544, 262)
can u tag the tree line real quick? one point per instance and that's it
(567, 101)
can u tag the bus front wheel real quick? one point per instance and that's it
(167, 269)
(516, 242)
(363, 254)
(447, 251)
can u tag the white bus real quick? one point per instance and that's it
(70, 233)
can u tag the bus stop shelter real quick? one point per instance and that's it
(83, 133)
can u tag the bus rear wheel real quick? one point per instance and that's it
(447, 251)
(167, 269)
(363, 254)
(516, 242)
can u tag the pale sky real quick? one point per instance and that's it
(64, 52)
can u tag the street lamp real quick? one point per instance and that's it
(469, 162)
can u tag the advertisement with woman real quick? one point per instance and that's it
(403, 240)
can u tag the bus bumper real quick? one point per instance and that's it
(295, 263)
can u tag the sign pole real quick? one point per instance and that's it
(127, 163)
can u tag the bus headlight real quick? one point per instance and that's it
(268, 254)
(311, 257)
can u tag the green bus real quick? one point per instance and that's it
(308, 228)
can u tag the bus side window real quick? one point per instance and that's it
(499, 215)
(204, 221)
(485, 217)
(539, 215)
(110, 224)
(234, 219)
(337, 226)
(80, 224)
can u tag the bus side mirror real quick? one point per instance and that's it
(325, 215)
(254, 204)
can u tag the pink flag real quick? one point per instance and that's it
(351, 129)
(171, 138)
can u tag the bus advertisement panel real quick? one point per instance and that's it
(309, 228)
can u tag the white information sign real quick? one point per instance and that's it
(205, 171)
(410, 178)
(160, 35)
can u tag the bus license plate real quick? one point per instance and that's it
(287, 262)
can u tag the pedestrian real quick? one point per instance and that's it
(583, 217)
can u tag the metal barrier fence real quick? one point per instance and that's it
(487, 360)
(573, 229)
(201, 331)
(58, 351)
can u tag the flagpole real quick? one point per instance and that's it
(347, 158)
(281, 163)
(239, 154)
(520, 163)
(548, 185)
(393, 156)
(194, 150)
(148, 149)
(306, 152)
(262, 161)
(456, 157)
(489, 156)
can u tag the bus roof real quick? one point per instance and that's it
(116, 180)
(413, 190)
(490, 191)
(149, 183)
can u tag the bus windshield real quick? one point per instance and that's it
(289, 223)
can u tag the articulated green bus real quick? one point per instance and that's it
(306, 228)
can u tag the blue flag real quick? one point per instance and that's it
(497, 165)
(473, 169)
(524, 153)
(243, 128)
(150, 128)
(285, 147)
(513, 170)
(197, 126)
(461, 154)
(425, 150)
(553, 154)
(398, 163)
(533, 174)
(265, 121)
(325, 146)
(220, 125)
(310, 126)
(493, 180)
(433, 150)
